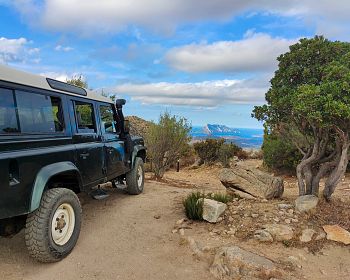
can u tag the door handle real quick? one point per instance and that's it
(84, 155)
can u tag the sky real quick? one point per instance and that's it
(208, 61)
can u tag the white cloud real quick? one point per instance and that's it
(62, 48)
(255, 52)
(203, 94)
(328, 17)
(16, 50)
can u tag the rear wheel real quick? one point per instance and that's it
(135, 179)
(53, 229)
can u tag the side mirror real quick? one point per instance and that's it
(126, 126)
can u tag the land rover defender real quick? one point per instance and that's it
(57, 140)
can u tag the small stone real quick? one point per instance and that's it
(179, 222)
(263, 236)
(306, 203)
(156, 217)
(294, 220)
(306, 235)
(174, 231)
(280, 232)
(219, 219)
(284, 206)
(281, 213)
(182, 231)
(254, 215)
(287, 221)
(320, 236)
(290, 211)
(276, 220)
(337, 233)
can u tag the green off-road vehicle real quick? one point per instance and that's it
(57, 140)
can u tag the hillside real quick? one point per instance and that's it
(138, 126)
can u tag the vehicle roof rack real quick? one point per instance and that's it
(66, 87)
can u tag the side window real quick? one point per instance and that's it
(108, 123)
(39, 113)
(8, 116)
(84, 114)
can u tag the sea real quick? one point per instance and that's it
(248, 138)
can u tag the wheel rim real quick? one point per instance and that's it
(139, 176)
(63, 223)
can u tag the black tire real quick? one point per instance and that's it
(38, 232)
(134, 186)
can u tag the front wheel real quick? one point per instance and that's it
(135, 179)
(53, 229)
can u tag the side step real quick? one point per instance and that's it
(99, 194)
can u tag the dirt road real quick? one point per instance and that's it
(120, 239)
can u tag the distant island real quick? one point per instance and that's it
(243, 137)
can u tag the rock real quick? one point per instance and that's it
(157, 217)
(290, 211)
(306, 235)
(284, 206)
(182, 231)
(252, 182)
(254, 215)
(174, 231)
(236, 263)
(276, 220)
(279, 232)
(306, 203)
(212, 210)
(263, 235)
(320, 236)
(337, 233)
(287, 221)
(179, 222)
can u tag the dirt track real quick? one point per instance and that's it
(120, 239)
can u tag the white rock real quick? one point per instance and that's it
(306, 203)
(212, 210)
(263, 235)
(254, 215)
(284, 206)
(279, 232)
(306, 235)
(182, 231)
(287, 221)
(179, 222)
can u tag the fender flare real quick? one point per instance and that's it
(44, 175)
(136, 150)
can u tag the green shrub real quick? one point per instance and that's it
(220, 197)
(194, 206)
(216, 150)
(279, 153)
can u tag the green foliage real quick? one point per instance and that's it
(167, 141)
(279, 153)
(220, 197)
(214, 150)
(194, 206)
(78, 80)
(193, 203)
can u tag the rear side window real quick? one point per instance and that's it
(27, 112)
(85, 117)
(108, 123)
(8, 116)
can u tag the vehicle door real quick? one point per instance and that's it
(113, 146)
(88, 142)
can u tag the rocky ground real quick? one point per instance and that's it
(295, 242)
(148, 237)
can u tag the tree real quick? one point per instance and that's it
(309, 102)
(78, 80)
(167, 141)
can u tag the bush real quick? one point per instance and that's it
(167, 141)
(279, 154)
(194, 206)
(216, 150)
(194, 203)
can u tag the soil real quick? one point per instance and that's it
(130, 237)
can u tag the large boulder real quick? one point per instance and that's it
(212, 210)
(251, 183)
(306, 203)
(236, 263)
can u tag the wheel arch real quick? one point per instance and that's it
(47, 174)
(139, 151)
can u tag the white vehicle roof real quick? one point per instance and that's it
(12, 75)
